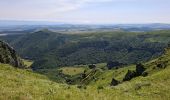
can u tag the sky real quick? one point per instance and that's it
(87, 11)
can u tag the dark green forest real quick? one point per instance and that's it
(50, 49)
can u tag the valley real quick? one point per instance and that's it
(93, 66)
(19, 84)
(84, 49)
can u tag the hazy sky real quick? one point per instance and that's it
(87, 11)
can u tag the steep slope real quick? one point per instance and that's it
(9, 56)
(154, 86)
(17, 84)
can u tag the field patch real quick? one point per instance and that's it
(72, 70)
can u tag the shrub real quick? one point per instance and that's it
(92, 66)
(112, 64)
(100, 87)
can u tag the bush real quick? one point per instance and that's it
(92, 66)
(100, 87)
(112, 64)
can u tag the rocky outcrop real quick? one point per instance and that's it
(129, 75)
(132, 74)
(9, 56)
(139, 69)
(162, 64)
(114, 82)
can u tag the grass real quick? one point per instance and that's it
(105, 78)
(55, 73)
(78, 69)
(72, 70)
(28, 63)
(18, 84)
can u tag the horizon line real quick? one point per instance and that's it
(61, 22)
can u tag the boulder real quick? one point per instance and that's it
(83, 75)
(168, 45)
(129, 75)
(162, 64)
(114, 82)
(69, 81)
(144, 74)
(139, 69)
(138, 72)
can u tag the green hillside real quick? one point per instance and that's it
(50, 50)
(19, 84)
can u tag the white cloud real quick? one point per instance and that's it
(46, 6)
(40, 8)
(78, 11)
(67, 5)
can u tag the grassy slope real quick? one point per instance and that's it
(154, 86)
(27, 63)
(72, 70)
(19, 84)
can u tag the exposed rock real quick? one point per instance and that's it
(130, 74)
(168, 45)
(144, 74)
(138, 72)
(69, 81)
(83, 75)
(139, 69)
(8, 56)
(162, 64)
(114, 82)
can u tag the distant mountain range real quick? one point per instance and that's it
(20, 22)
(20, 27)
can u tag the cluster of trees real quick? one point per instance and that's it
(50, 50)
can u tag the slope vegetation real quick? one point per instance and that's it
(50, 50)
(17, 84)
